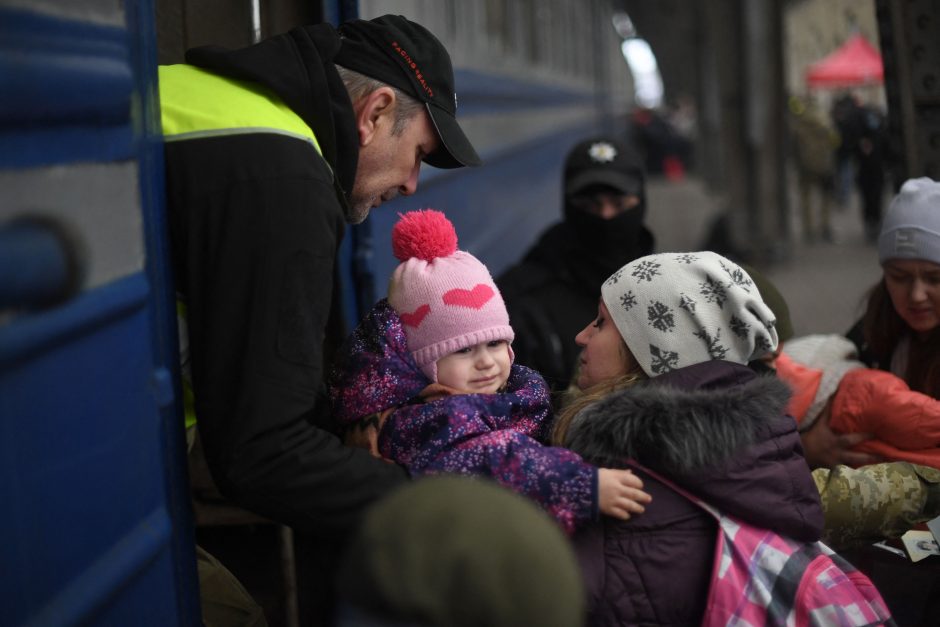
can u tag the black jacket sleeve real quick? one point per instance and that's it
(255, 254)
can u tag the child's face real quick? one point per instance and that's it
(479, 369)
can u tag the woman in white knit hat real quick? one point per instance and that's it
(668, 380)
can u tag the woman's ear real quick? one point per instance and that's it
(374, 111)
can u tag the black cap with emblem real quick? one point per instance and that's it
(603, 161)
(406, 55)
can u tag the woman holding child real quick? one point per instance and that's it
(664, 380)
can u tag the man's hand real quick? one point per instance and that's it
(365, 434)
(824, 448)
(620, 492)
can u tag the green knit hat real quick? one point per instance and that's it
(454, 551)
(773, 299)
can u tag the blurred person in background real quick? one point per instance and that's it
(871, 159)
(846, 117)
(553, 289)
(813, 143)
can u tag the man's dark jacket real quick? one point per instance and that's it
(255, 222)
(721, 432)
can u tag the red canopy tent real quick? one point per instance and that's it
(856, 62)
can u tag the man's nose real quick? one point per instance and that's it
(410, 186)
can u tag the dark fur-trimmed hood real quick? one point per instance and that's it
(676, 430)
(719, 430)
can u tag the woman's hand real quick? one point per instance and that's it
(824, 448)
(620, 493)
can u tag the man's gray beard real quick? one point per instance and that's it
(358, 211)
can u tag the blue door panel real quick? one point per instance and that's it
(68, 89)
(97, 525)
(81, 475)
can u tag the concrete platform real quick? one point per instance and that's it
(824, 283)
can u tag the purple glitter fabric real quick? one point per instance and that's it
(492, 435)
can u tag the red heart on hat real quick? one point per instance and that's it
(475, 298)
(415, 318)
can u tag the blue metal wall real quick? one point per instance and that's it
(96, 526)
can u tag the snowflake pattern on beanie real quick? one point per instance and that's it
(679, 309)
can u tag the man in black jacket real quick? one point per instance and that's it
(270, 149)
(552, 292)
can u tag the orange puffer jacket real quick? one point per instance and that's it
(905, 423)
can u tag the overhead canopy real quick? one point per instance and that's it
(855, 63)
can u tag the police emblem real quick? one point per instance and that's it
(602, 152)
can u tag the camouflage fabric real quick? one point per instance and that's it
(871, 503)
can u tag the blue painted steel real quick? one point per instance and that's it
(484, 93)
(34, 265)
(81, 452)
(338, 11)
(165, 342)
(90, 594)
(55, 69)
(68, 84)
(34, 147)
(97, 527)
(38, 333)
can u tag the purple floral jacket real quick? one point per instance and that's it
(491, 435)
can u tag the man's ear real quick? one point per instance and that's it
(373, 111)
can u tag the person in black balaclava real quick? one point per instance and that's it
(554, 288)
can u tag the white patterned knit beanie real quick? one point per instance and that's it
(445, 298)
(679, 309)
(911, 226)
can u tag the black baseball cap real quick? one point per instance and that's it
(406, 55)
(603, 161)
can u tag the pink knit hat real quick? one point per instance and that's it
(445, 297)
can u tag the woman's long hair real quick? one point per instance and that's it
(884, 328)
(576, 399)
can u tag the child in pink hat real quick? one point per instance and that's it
(428, 378)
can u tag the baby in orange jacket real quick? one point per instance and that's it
(823, 372)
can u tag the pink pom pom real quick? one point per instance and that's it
(426, 234)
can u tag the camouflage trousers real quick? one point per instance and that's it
(875, 502)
